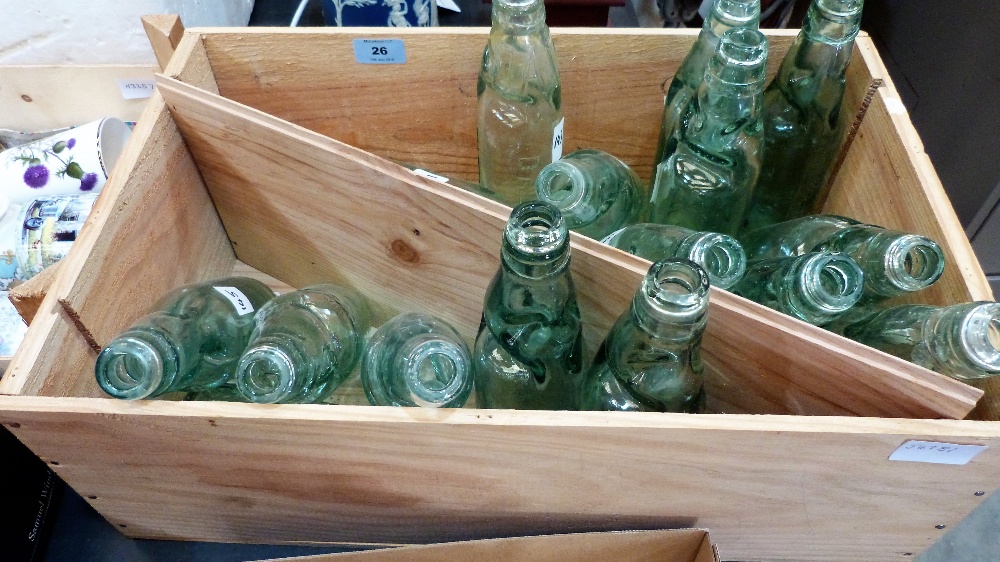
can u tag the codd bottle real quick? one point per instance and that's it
(961, 341)
(416, 359)
(803, 125)
(894, 262)
(724, 16)
(596, 193)
(520, 120)
(303, 346)
(529, 351)
(816, 288)
(191, 341)
(720, 255)
(651, 358)
(707, 182)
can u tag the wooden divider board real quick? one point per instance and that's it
(770, 488)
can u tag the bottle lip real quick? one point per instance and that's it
(537, 231)
(831, 282)
(112, 369)
(913, 262)
(676, 287)
(428, 348)
(562, 185)
(980, 337)
(279, 368)
(735, 13)
(720, 255)
(741, 57)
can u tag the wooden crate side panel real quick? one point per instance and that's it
(422, 250)
(424, 111)
(39, 98)
(773, 489)
(887, 179)
(153, 229)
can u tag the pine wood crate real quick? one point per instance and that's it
(238, 171)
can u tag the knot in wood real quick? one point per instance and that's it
(404, 252)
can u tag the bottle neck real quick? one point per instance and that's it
(536, 241)
(910, 262)
(825, 285)
(672, 301)
(720, 255)
(833, 22)
(518, 17)
(731, 92)
(824, 46)
(137, 364)
(432, 372)
(964, 340)
(273, 370)
(583, 184)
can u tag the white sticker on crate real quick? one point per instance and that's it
(557, 139)
(936, 452)
(136, 88)
(429, 175)
(379, 51)
(240, 301)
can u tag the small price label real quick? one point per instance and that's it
(936, 452)
(429, 175)
(136, 88)
(557, 139)
(379, 51)
(240, 301)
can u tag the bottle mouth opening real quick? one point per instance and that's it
(676, 286)
(560, 185)
(981, 337)
(437, 373)
(722, 258)
(536, 229)
(833, 282)
(736, 13)
(130, 369)
(914, 263)
(265, 374)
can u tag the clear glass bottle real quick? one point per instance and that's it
(724, 16)
(803, 125)
(720, 255)
(651, 358)
(529, 351)
(816, 288)
(894, 262)
(520, 117)
(416, 359)
(707, 182)
(303, 346)
(595, 192)
(191, 341)
(961, 341)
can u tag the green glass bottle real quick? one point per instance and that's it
(803, 125)
(894, 262)
(529, 351)
(651, 358)
(961, 341)
(815, 288)
(724, 16)
(192, 340)
(304, 345)
(595, 192)
(720, 255)
(707, 182)
(520, 119)
(416, 359)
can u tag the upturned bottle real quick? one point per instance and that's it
(191, 341)
(529, 351)
(720, 255)
(724, 16)
(416, 359)
(894, 263)
(304, 344)
(651, 358)
(803, 125)
(520, 119)
(707, 182)
(961, 341)
(816, 288)
(596, 193)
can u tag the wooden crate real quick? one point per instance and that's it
(238, 170)
(41, 98)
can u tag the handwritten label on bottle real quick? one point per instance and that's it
(240, 301)
(557, 139)
(379, 51)
(936, 452)
(430, 175)
(136, 88)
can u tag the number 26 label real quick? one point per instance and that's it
(379, 51)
